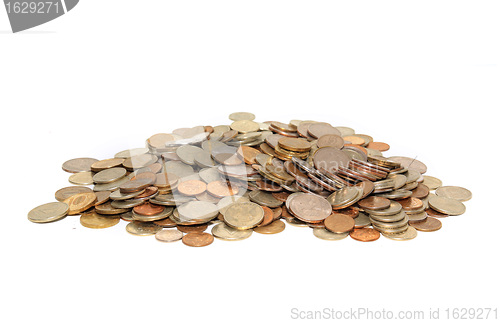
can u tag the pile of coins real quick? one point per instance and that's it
(247, 176)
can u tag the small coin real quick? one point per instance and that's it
(325, 234)
(131, 152)
(268, 216)
(243, 216)
(339, 223)
(264, 199)
(374, 203)
(198, 239)
(411, 203)
(149, 209)
(166, 223)
(318, 129)
(139, 161)
(334, 141)
(139, 228)
(409, 234)
(101, 197)
(394, 208)
(361, 221)
(237, 116)
(192, 228)
(111, 186)
(274, 227)
(420, 192)
(428, 225)
(454, 192)
(355, 140)
(49, 212)
(436, 214)
(221, 189)
(380, 146)
(94, 220)
(225, 232)
(168, 235)
(69, 191)
(244, 126)
(109, 175)
(432, 182)
(446, 205)
(365, 234)
(80, 202)
(135, 185)
(248, 154)
(78, 165)
(82, 178)
(106, 209)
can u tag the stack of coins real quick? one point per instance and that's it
(247, 176)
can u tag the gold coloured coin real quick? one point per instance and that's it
(244, 126)
(49, 212)
(243, 216)
(237, 116)
(225, 232)
(106, 163)
(428, 225)
(78, 165)
(93, 220)
(80, 202)
(138, 228)
(432, 182)
(274, 227)
(82, 178)
(409, 234)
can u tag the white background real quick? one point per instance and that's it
(422, 76)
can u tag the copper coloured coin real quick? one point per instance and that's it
(350, 211)
(420, 192)
(198, 239)
(339, 223)
(365, 234)
(330, 140)
(380, 146)
(248, 154)
(148, 192)
(330, 159)
(268, 216)
(148, 209)
(374, 203)
(436, 214)
(411, 203)
(192, 228)
(221, 189)
(428, 225)
(192, 187)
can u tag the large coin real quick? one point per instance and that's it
(48, 212)
(109, 175)
(309, 207)
(446, 205)
(80, 202)
(339, 223)
(243, 216)
(78, 165)
(454, 192)
(330, 159)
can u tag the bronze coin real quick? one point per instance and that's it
(148, 209)
(106, 164)
(295, 144)
(411, 203)
(78, 165)
(166, 223)
(192, 228)
(268, 186)
(272, 228)
(281, 196)
(367, 187)
(380, 146)
(192, 187)
(268, 216)
(339, 223)
(374, 203)
(420, 192)
(221, 189)
(69, 191)
(248, 154)
(350, 211)
(149, 191)
(80, 202)
(428, 225)
(135, 185)
(277, 211)
(293, 170)
(436, 214)
(198, 239)
(365, 234)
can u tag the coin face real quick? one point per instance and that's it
(454, 192)
(83, 178)
(380, 146)
(168, 235)
(446, 205)
(274, 227)
(365, 234)
(325, 234)
(411, 203)
(428, 225)
(198, 239)
(49, 212)
(432, 182)
(78, 165)
(139, 228)
(330, 159)
(93, 220)
(339, 223)
(69, 191)
(374, 203)
(310, 208)
(243, 216)
(329, 140)
(224, 232)
(80, 202)
(192, 187)
(109, 175)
